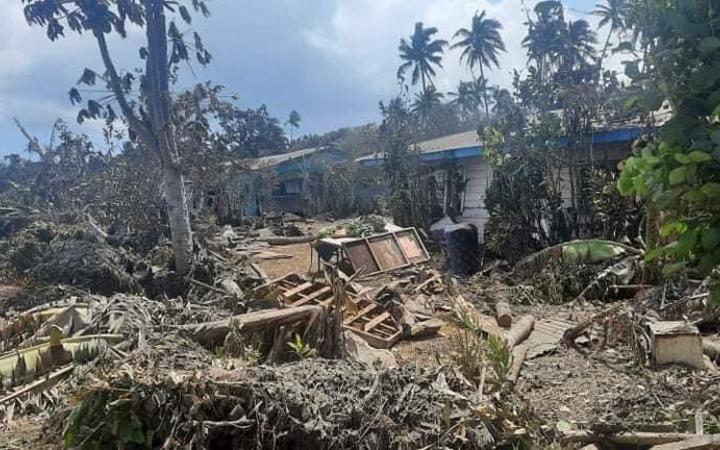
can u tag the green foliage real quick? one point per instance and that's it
(500, 358)
(101, 422)
(678, 174)
(523, 197)
(301, 348)
(467, 353)
(409, 199)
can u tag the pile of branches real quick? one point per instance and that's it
(311, 403)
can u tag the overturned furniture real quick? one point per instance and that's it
(364, 317)
(377, 253)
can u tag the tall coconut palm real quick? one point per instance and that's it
(421, 52)
(612, 14)
(545, 38)
(480, 45)
(425, 102)
(580, 44)
(465, 99)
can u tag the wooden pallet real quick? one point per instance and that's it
(366, 318)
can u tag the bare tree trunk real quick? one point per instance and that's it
(158, 102)
(485, 99)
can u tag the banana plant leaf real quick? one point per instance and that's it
(573, 253)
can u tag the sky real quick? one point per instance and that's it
(331, 60)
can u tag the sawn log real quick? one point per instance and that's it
(213, 333)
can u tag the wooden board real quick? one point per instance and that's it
(359, 255)
(385, 251)
(412, 246)
(371, 320)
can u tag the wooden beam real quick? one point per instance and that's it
(297, 289)
(376, 321)
(361, 313)
(213, 333)
(313, 296)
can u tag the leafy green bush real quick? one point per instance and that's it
(679, 173)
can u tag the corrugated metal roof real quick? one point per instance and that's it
(451, 142)
(274, 160)
(466, 139)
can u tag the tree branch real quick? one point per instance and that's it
(116, 85)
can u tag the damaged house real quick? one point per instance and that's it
(462, 173)
(280, 182)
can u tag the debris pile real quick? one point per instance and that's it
(312, 403)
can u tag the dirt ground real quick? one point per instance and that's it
(302, 258)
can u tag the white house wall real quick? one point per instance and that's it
(477, 178)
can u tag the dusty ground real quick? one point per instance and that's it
(302, 258)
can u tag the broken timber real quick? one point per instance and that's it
(212, 334)
(364, 317)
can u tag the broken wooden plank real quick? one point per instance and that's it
(213, 333)
(503, 314)
(519, 354)
(297, 289)
(627, 438)
(520, 331)
(710, 441)
(361, 313)
(312, 296)
(376, 321)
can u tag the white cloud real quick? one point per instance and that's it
(364, 35)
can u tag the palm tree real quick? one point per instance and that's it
(421, 53)
(425, 102)
(293, 121)
(545, 38)
(612, 14)
(465, 99)
(481, 45)
(580, 45)
(481, 89)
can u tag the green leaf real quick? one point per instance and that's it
(649, 157)
(699, 156)
(674, 268)
(672, 227)
(625, 183)
(710, 238)
(686, 243)
(711, 189)
(677, 176)
(709, 45)
(654, 254)
(682, 158)
(694, 196)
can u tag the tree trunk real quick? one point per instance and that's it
(485, 99)
(605, 47)
(158, 104)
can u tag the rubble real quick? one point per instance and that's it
(217, 353)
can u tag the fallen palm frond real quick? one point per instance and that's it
(39, 384)
(70, 317)
(620, 273)
(588, 251)
(23, 365)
